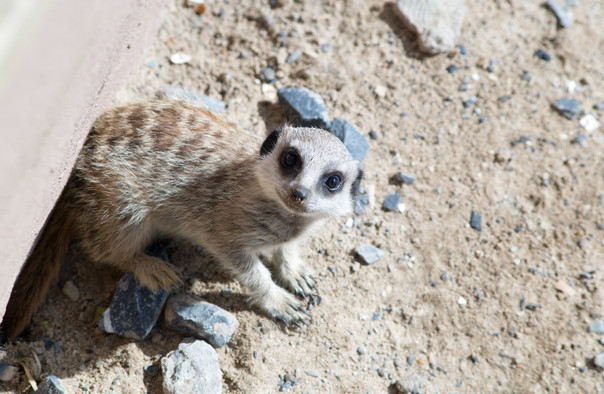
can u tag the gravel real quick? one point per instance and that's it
(476, 221)
(369, 254)
(51, 385)
(567, 107)
(200, 319)
(268, 74)
(541, 54)
(597, 327)
(599, 360)
(355, 142)
(192, 368)
(71, 291)
(393, 202)
(303, 107)
(563, 16)
(402, 178)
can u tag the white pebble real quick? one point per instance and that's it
(71, 291)
(180, 58)
(589, 123)
(462, 302)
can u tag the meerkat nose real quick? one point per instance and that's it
(299, 194)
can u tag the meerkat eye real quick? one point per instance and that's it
(333, 182)
(290, 158)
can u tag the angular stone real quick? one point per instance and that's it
(355, 142)
(564, 17)
(51, 385)
(599, 360)
(369, 254)
(359, 203)
(568, 107)
(197, 99)
(407, 179)
(393, 202)
(303, 107)
(476, 221)
(200, 319)
(192, 368)
(597, 327)
(134, 309)
(437, 23)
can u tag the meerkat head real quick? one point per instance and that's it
(308, 171)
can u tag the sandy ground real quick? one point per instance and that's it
(453, 308)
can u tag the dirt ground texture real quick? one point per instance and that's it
(448, 306)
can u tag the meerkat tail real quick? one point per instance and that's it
(38, 272)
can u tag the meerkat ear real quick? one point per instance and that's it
(269, 143)
(356, 185)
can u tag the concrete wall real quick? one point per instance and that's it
(61, 62)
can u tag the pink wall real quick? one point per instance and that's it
(61, 63)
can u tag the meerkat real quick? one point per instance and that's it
(165, 168)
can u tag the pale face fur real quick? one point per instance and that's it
(309, 172)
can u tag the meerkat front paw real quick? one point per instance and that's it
(298, 280)
(281, 305)
(157, 274)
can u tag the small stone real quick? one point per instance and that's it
(380, 91)
(579, 139)
(569, 108)
(303, 107)
(597, 327)
(411, 359)
(369, 254)
(462, 50)
(526, 76)
(599, 106)
(51, 385)
(192, 368)
(293, 57)
(71, 291)
(7, 372)
(359, 204)
(589, 123)
(393, 202)
(326, 47)
(373, 135)
(564, 287)
(462, 302)
(469, 102)
(563, 16)
(410, 384)
(504, 98)
(452, 69)
(503, 155)
(152, 370)
(244, 54)
(533, 306)
(355, 142)
(197, 99)
(403, 178)
(436, 23)
(268, 74)
(483, 119)
(180, 58)
(200, 319)
(476, 221)
(541, 54)
(134, 309)
(599, 360)
(361, 350)
(312, 373)
(602, 340)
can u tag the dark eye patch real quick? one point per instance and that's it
(291, 161)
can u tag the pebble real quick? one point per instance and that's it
(412, 383)
(361, 350)
(359, 203)
(598, 106)
(294, 57)
(303, 107)
(462, 302)
(476, 221)
(503, 155)
(597, 327)
(437, 23)
(312, 373)
(197, 99)
(407, 179)
(393, 202)
(411, 359)
(568, 107)
(469, 102)
(51, 385)
(7, 372)
(355, 141)
(369, 254)
(579, 139)
(589, 123)
(269, 74)
(192, 368)
(71, 291)
(326, 47)
(563, 16)
(602, 340)
(180, 58)
(599, 360)
(541, 54)
(200, 319)
(373, 135)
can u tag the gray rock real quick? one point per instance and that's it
(602, 340)
(50, 385)
(269, 74)
(597, 327)
(599, 360)
(564, 17)
(436, 22)
(568, 107)
(135, 309)
(303, 107)
(392, 202)
(476, 221)
(410, 384)
(407, 179)
(369, 254)
(411, 359)
(71, 291)
(355, 142)
(294, 57)
(192, 368)
(197, 99)
(359, 204)
(541, 54)
(7, 371)
(200, 319)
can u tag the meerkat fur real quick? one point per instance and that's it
(164, 168)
